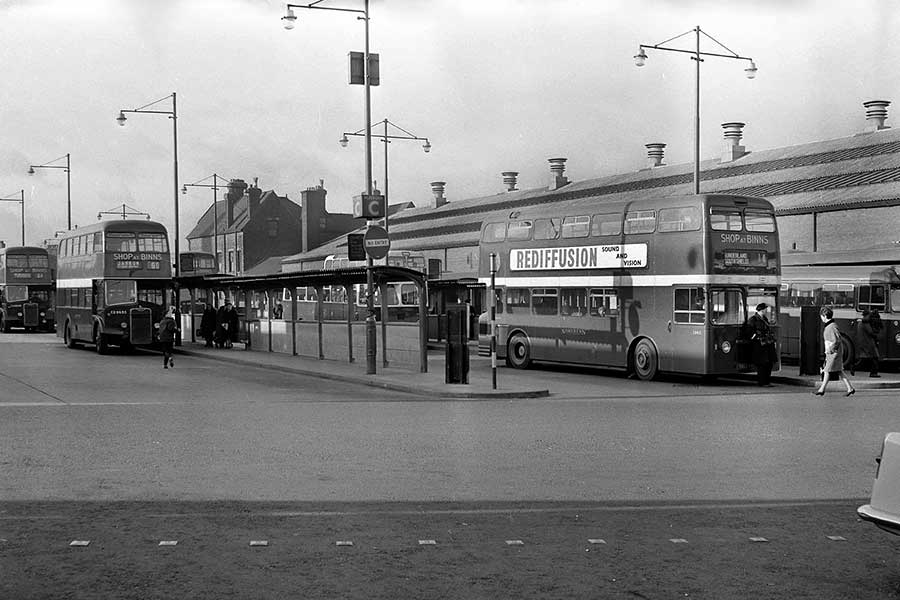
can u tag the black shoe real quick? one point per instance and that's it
(818, 393)
(165, 366)
(851, 392)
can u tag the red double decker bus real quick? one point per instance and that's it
(648, 285)
(26, 289)
(113, 283)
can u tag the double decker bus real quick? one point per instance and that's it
(197, 263)
(114, 281)
(26, 289)
(650, 285)
(850, 282)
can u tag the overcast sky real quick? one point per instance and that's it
(496, 85)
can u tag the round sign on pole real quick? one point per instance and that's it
(376, 242)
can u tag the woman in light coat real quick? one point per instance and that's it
(834, 353)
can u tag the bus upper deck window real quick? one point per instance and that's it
(606, 224)
(494, 232)
(546, 229)
(576, 227)
(758, 220)
(724, 220)
(686, 218)
(640, 221)
(519, 230)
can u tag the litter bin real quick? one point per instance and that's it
(457, 348)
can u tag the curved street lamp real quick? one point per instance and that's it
(386, 138)
(641, 58)
(68, 169)
(215, 185)
(20, 200)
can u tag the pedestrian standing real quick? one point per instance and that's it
(167, 329)
(208, 325)
(867, 343)
(763, 350)
(233, 323)
(834, 354)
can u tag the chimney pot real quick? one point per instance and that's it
(509, 179)
(876, 114)
(655, 154)
(437, 188)
(557, 173)
(734, 131)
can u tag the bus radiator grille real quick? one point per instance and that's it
(30, 314)
(140, 326)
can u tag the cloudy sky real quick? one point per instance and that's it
(496, 85)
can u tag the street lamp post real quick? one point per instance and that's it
(386, 138)
(21, 201)
(173, 114)
(68, 168)
(123, 211)
(215, 188)
(289, 19)
(641, 57)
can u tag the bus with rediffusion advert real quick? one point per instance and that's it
(114, 281)
(26, 289)
(649, 285)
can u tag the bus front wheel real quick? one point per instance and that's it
(518, 352)
(100, 341)
(646, 361)
(67, 336)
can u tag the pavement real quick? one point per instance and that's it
(510, 384)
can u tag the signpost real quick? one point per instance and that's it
(376, 242)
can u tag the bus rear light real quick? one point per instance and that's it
(726, 347)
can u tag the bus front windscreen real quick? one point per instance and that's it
(120, 292)
(16, 293)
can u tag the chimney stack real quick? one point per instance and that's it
(437, 188)
(236, 189)
(655, 154)
(557, 173)
(733, 149)
(509, 179)
(876, 115)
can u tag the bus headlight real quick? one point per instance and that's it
(897, 338)
(123, 325)
(43, 314)
(19, 313)
(726, 347)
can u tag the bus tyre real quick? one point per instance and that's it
(646, 361)
(100, 341)
(67, 336)
(518, 352)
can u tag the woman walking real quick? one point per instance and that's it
(834, 353)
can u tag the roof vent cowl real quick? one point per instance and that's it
(876, 114)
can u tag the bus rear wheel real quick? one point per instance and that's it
(100, 341)
(646, 360)
(518, 352)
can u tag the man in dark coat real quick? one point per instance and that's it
(222, 325)
(867, 342)
(231, 318)
(762, 339)
(208, 325)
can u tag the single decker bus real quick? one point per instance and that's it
(26, 289)
(114, 281)
(647, 285)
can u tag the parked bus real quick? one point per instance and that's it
(849, 282)
(114, 281)
(403, 296)
(26, 289)
(650, 285)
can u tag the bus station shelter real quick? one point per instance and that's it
(256, 296)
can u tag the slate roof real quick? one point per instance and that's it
(858, 171)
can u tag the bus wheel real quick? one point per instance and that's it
(100, 341)
(646, 362)
(518, 352)
(849, 353)
(67, 336)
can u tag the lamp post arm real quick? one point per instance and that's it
(696, 53)
(313, 6)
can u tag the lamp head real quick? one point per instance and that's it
(344, 141)
(184, 189)
(31, 170)
(751, 70)
(289, 18)
(121, 119)
(640, 58)
(426, 146)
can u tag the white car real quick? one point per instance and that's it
(884, 509)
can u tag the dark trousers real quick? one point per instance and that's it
(763, 373)
(167, 351)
